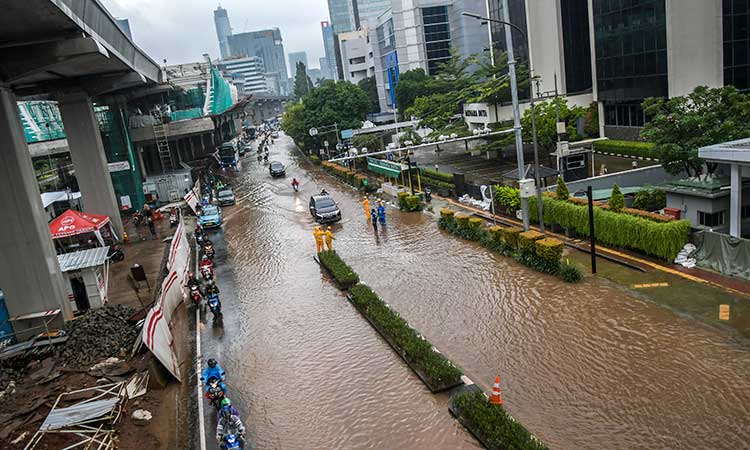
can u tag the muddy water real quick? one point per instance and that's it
(584, 367)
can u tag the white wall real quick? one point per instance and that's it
(545, 32)
(694, 45)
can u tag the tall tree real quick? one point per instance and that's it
(679, 126)
(370, 86)
(302, 83)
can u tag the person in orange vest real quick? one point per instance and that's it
(318, 235)
(329, 239)
(366, 206)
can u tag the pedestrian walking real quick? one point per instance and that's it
(151, 227)
(374, 218)
(318, 235)
(381, 213)
(329, 239)
(366, 206)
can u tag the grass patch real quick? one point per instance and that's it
(492, 425)
(432, 367)
(344, 275)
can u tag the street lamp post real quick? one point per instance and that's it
(590, 194)
(516, 111)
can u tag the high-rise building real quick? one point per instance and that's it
(369, 10)
(356, 55)
(329, 45)
(417, 34)
(325, 72)
(250, 69)
(294, 58)
(267, 45)
(343, 16)
(223, 31)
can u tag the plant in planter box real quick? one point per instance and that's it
(447, 220)
(527, 241)
(344, 275)
(510, 236)
(402, 200)
(413, 203)
(548, 253)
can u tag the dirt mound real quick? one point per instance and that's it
(99, 334)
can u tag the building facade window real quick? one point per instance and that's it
(736, 29)
(517, 14)
(745, 212)
(631, 49)
(576, 45)
(624, 114)
(711, 219)
(437, 37)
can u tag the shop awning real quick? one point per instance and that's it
(387, 168)
(82, 259)
(71, 223)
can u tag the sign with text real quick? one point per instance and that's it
(119, 166)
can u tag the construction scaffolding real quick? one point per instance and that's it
(85, 416)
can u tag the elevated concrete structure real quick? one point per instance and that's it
(49, 49)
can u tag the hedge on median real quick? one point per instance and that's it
(344, 275)
(627, 148)
(350, 176)
(439, 373)
(494, 427)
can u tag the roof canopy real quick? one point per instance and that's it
(71, 223)
(82, 259)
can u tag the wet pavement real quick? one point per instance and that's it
(582, 366)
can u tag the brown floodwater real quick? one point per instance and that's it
(582, 366)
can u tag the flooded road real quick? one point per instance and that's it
(583, 367)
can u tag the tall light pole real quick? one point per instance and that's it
(517, 113)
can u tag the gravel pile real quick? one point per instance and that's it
(99, 334)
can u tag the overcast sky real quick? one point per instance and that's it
(182, 30)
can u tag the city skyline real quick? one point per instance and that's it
(152, 22)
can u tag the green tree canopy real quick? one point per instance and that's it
(546, 122)
(302, 83)
(680, 126)
(370, 86)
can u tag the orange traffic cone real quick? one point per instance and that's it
(495, 397)
(125, 238)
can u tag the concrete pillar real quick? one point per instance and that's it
(192, 147)
(139, 152)
(735, 202)
(30, 275)
(89, 159)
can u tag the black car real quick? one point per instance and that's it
(324, 209)
(277, 169)
(226, 196)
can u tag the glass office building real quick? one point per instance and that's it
(517, 10)
(631, 57)
(736, 29)
(437, 37)
(576, 46)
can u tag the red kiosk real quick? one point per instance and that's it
(79, 228)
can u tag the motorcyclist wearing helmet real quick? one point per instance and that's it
(193, 281)
(226, 404)
(212, 288)
(206, 262)
(228, 423)
(213, 370)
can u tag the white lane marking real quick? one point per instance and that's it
(198, 360)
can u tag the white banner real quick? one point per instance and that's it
(157, 334)
(192, 198)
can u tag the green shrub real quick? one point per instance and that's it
(402, 200)
(344, 275)
(617, 200)
(438, 184)
(550, 249)
(629, 148)
(439, 176)
(650, 199)
(660, 239)
(496, 427)
(509, 198)
(438, 370)
(562, 191)
(315, 160)
(510, 236)
(413, 203)
(527, 241)
(570, 273)
(447, 220)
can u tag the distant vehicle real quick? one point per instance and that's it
(244, 149)
(251, 132)
(324, 209)
(226, 197)
(275, 134)
(210, 217)
(277, 169)
(227, 155)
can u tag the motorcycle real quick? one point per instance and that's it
(115, 253)
(260, 158)
(232, 442)
(137, 218)
(172, 220)
(214, 305)
(428, 195)
(265, 157)
(207, 273)
(215, 393)
(209, 251)
(196, 296)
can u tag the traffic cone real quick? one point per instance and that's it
(495, 397)
(125, 238)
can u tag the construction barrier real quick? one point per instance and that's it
(157, 333)
(192, 198)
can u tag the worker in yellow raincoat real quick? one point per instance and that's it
(329, 239)
(318, 235)
(366, 206)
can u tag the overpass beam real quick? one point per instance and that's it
(89, 158)
(29, 272)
